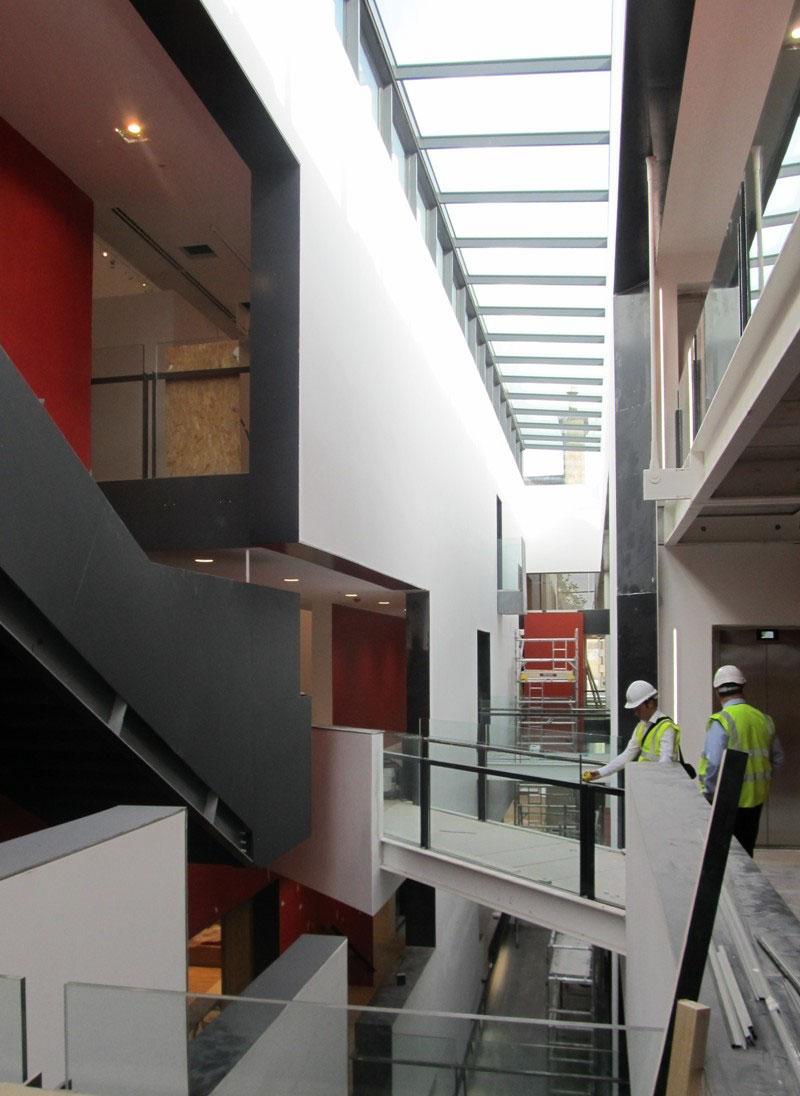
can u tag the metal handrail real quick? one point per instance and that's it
(586, 803)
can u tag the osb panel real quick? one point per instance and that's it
(204, 434)
(187, 356)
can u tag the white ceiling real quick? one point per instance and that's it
(317, 584)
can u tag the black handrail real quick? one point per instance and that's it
(587, 794)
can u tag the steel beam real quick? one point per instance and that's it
(535, 66)
(507, 380)
(503, 336)
(514, 310)
(473, 197)
(547, 359)
(585, 242)
(560, 426)
(532, 902)
(587, 413)
(514, 140)
(536, 279)
(555, 397)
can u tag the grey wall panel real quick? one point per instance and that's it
(210, 665)
(637, 625)
(198, 512)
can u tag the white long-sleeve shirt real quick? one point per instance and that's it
(632, 750)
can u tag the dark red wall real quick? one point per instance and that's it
(46, 284)
(541, 626)
(369, 669)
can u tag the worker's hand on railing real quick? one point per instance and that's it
(589, 775)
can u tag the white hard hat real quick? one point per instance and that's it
(638, 692)
(728, 675)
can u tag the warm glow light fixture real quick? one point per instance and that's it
(203, 560)
(291, 580)
(351, 595)
(794, 33)
(383, 602)
(132, 132)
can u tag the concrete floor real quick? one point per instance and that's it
(782, 869)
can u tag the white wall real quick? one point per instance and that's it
(112, 914)
(305, 1048)
(402, 457)
(341, 858)
(703, 585)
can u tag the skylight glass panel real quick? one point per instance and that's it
(539, 296)
(793, 151)
(552, 167)
(529, 218)
(556, 261)
(518, 391)
(772, 240)
(541, 103)
(465, 30)
(785, 196)
(546, 325)
(550, 351)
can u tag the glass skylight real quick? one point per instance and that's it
(549, 167)
(423, 32)
(529, 218)
(540, 103)
(510, 102)
(539, 296)
(557, 261)
(546, 325)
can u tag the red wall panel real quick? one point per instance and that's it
(369, 669)
(46, 284)
(542, 627)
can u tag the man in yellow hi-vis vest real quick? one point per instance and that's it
(655, 738)
(740, 726)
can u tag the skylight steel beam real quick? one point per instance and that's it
(571, 448)
(536, 279)
(515, 140)
(591, 427)
(554, 397)
(586, 413)
(592, 382)
(472, 197)
(551, 359)
(514, 337)
(516, 310)
(578, 443)
(594, 242)
(524, 67)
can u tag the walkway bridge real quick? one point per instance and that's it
(507, 829)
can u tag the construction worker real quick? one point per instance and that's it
(655, 738)
(740, 726)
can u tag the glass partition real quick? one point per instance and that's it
(530, 817)
(170, 409)
(13, 1063)
(122, 1042)
(762, 220)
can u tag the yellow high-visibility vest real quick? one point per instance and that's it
(651, 750)
(748, 729)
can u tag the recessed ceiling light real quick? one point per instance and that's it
(131, 132)
(794, 33)
(352, 595)
(105, 254)
(198, 559)
(291, 580)
(383, 602)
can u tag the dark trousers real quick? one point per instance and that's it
(745, 828)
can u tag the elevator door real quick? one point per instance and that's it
(772, 669)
